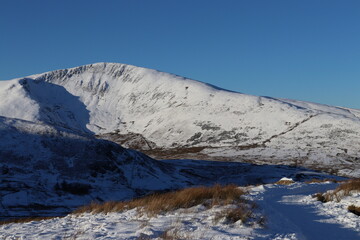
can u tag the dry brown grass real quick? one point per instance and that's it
(349, 186)
(244, 211)
(354, 209)
(167, 236)
(171, 234)
(315, 180)
(26, 220)
(320, 197)
(165, 202)
(344, 189)
(284, 182)
(239, 213)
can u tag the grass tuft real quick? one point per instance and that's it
(354, 209)
(316, 180)
(284, 182)
(239, 213)
(344, 189)
(26, 220)
(349, 186)
(320, 197)
(171, 234)
(165, 202)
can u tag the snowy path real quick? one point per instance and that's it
(291, 217)
(291, 212)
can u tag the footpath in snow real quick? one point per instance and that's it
(293, 214)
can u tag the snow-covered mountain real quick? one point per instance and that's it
(170, 116)
(50, 170)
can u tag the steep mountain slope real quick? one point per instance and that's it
(171, 116)
(50, 170)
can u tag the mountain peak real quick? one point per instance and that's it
(148, 109)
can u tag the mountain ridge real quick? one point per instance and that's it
(156, 112)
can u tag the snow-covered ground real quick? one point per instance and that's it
(290, 211)
(293, 213)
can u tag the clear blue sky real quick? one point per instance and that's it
(298, 49)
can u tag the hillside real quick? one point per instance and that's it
(47, 170)
(168, 116)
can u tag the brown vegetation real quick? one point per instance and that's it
(239, 213)
(243, 212)
(315, 180)
(175, 153)
(284, 182)
(25, 220)
(171, 234)
(320, 197)
(354, 209)
(348, 186)
(186, 198)
(344, 189)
